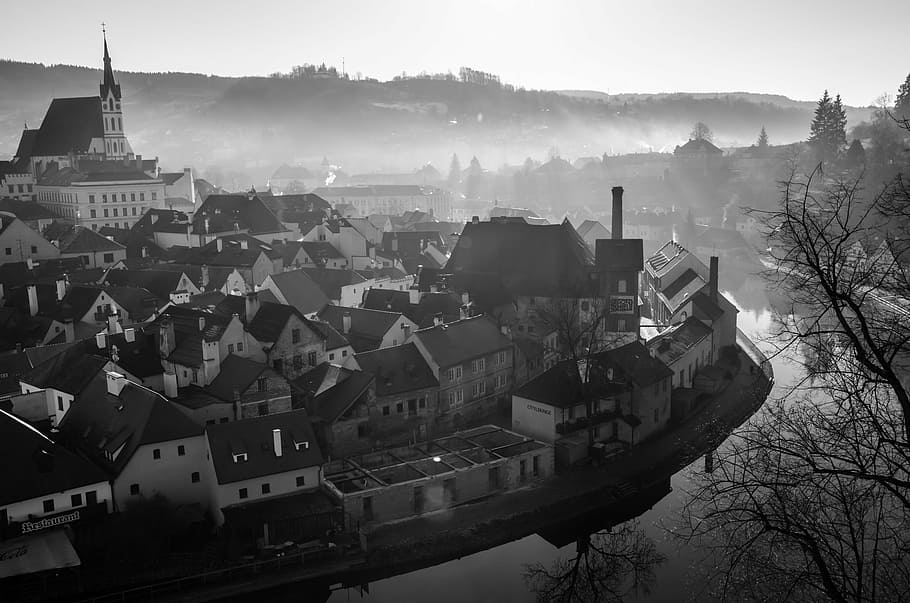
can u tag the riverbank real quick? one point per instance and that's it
(412, 544)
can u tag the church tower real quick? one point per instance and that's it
(115, 143)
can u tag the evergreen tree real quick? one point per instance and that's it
(902, 103)
(763, 139)
(474, 180)
(818, 130)
(454, 178)
(838, 126)
(856, 154)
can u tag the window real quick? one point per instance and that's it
(422, 403)
(477, 366)
(501, 358)
(91, 497)
(116, 224)
(134, 210)
(621, 285)
(479, 388)
(298, 361)
(332, 356)
(242, 493)
(295, 335)
(239, 346)
(91, 198)
(344, 353)
(230, 348)
(120, 125)
(399, 408)
(21, 189)
(106, 213)
(142, 196)
(278, 365)
(49, 505)
(93, 212)
(34, 249)
(311, 357)
(108, 257)
(9, 251)
(194, 477)
(301, 481)
(134, 489)
(60, 403)
(266, 488)
(385, 411)
(11, 188)
(456, 397)
(154, 196)
(156, 453)
(133, 197)
(181, 450)
(123, 197)
(263, 409)
(535, 465)
(115, 212)
(454, 373)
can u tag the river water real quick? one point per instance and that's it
(498, 574)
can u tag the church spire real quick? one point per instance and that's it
(108, 84)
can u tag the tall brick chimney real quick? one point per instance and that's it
(616, 230)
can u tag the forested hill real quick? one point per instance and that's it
(259, 123)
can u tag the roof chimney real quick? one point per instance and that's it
(69, 330)
(276, 439)
(101, 340)
(170, 384)
(437, 319)
(616, 231)
(115, 383)
(204, 282)
(61, 289)
(244, 244)
(252, 306)
(129, 335)
(32, 299)
(475, 220)
(219, 244)
(346, 322)
(712, 280)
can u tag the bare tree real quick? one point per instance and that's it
(607, 566)
(811, 499)
(701, 131)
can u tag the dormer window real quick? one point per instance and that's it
(240, 457)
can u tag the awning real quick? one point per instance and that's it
(37, 553)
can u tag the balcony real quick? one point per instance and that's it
(580, 423)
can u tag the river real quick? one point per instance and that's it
(498, 574)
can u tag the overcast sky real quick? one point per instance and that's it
(792, 47)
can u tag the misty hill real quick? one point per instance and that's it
(255, 124)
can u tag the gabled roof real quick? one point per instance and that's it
(560, 386)
(681, 289)
(254, 438)
(169, 178)
(368, 327)
(160, 283)
(397, 369)
(619, 255)
(161, 220)
(100, 423)
(585, 227)
(331, 281)
(69, 125)
(25, 148)
(187, 332)
(69, 372)
(248, 212)
(79, 239)
(462, 340)
(296, 204)
(388, 300)
(334, 402)
(636, 364)
(14, 363)
(705, 308)
(13, 274)
(20, 328)
(547, 261)
(232, 252)
(26, 210)
(301, 291)
(698, 145)
(319, 251)
(235, 373)
(677, 340)
(666, 257)
(34, 466)
(333, 339)
(139, 357)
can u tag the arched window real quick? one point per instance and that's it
(110, 104)
(119, 124)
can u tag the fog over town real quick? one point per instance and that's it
(487, 302)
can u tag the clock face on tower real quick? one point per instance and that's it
(622, 305)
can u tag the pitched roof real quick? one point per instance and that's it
(377, 190)
(139, 357)
(254, 437)
(69, 125)
(223, 211)
(681, 289)
(368, 327)
(389, 300)
(34, 466)
(560, 386)
(636, 363)
(333, 339)
(160, 282)
(69, 372)
(331, 281)
(170, 178)
(334, 402)
(705, 308)
(548, 261)
(397, 369)
(100, 423)
(666, 257)
(677, 340)
(79, 239)
(296, 204)
(232, 252)
(13, 274)
(26, 210)
(300, 290)
(235, 373)
(462, 340)
(14, 363)
(698, 145)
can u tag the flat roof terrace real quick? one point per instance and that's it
(461, 450)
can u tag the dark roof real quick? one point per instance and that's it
(79, 239)
(223, 211)
(698, 145)
(559, 386)
(232, 252)
(14, 364)
(26, 210)
(13, 274)
(300, 290)
(704, 308)
(397, 369)
(296, 204)
(188, 335)
(100, 423)
(636, 364)
(619, 254)
(549, 261)
(463, 340)
(585, 227)
(411, 243)
(333, 403)
(160, 282)
(69, 126)
(368, 327)
(675, 341)
(333, 339)
(69, 372)
(331, 281)
(235, 373)
(170, 178)
(25, 148)
(96, 171)
(319, 251)
(666, 257)
(254, 437)
(139, 357)
(34, 466)
(681, 281)
(161, 220)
